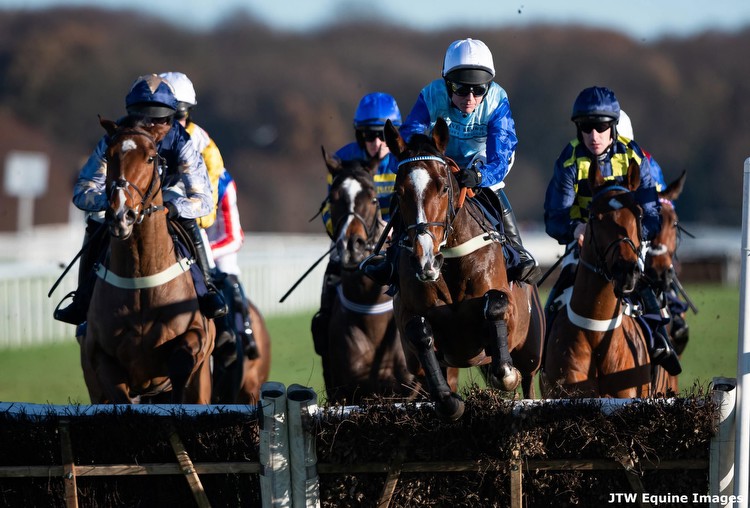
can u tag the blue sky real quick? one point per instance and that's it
(641, 19)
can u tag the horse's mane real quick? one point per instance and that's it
(422, 143)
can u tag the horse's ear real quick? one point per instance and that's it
(440, 134)
(634, 175)
(158, 131)
(596, 179)
(393, 139)
(108, 125)
(674, 189)
(333, 163)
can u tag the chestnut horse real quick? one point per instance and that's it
(455, 307)
(364, 354)
(145, 336)
(660, 269)
(594, 348)
(239, 382)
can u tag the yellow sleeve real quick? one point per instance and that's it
(215, 165)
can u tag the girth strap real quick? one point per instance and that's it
(150, 281)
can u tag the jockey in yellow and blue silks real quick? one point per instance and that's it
(595, 114)
(373, 110)
(186, 190)
(369, 120)
(482, 138)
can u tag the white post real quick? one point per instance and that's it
(274, 447)
(302, 403)
(721, 465)
(742, 441)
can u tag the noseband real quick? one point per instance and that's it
(371, 229)
(126, 186)
(422, 228)
(600, 265)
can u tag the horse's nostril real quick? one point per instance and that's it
(130, 217)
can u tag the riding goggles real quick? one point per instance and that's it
(373, 135)
(463, 90)
(600, 127)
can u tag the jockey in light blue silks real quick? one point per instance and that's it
(482, 140)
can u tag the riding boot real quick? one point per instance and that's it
(211, 301)
(382, 269)
(661, 351)
(680, 333)
(528, 269)
(94, 244)
(322, 319)
(243, 320)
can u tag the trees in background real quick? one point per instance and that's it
(271, 99)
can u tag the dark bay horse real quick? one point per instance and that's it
(455, 307)
(661, 268)
(364, 354)
(146, 337)
(594, 348)
(236, 377)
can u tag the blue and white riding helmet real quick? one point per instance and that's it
(151, 96)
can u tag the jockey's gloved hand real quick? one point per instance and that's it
(470, 177)
(171, 210)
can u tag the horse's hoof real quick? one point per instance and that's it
(511, 381)
(450, 409)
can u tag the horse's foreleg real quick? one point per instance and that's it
(502, 373)
(447, 404)
(181, 366)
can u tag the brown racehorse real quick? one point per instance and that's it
(146, 336)
(660, 268)
(594, 348)
(364, 354)
(239, 382)
(455, 307)
(256, 371)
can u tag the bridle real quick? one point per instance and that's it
(372, 229)
(423, 228)
(616, 202)
(140, 211)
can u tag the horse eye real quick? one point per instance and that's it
(150, 159)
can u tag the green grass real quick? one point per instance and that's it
(51, 374)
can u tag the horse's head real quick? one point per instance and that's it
(133, 174)
(425, 191)
(355, 210)
(613, 234)
(660, 256)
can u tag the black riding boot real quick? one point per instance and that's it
(661, 351)
(322, 319)
(211, 302)
(527, 270)
(243, 322)
(95, 242)
(382, 269)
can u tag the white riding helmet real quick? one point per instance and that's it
(625, 126)
(184, 91)
(468, 61)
